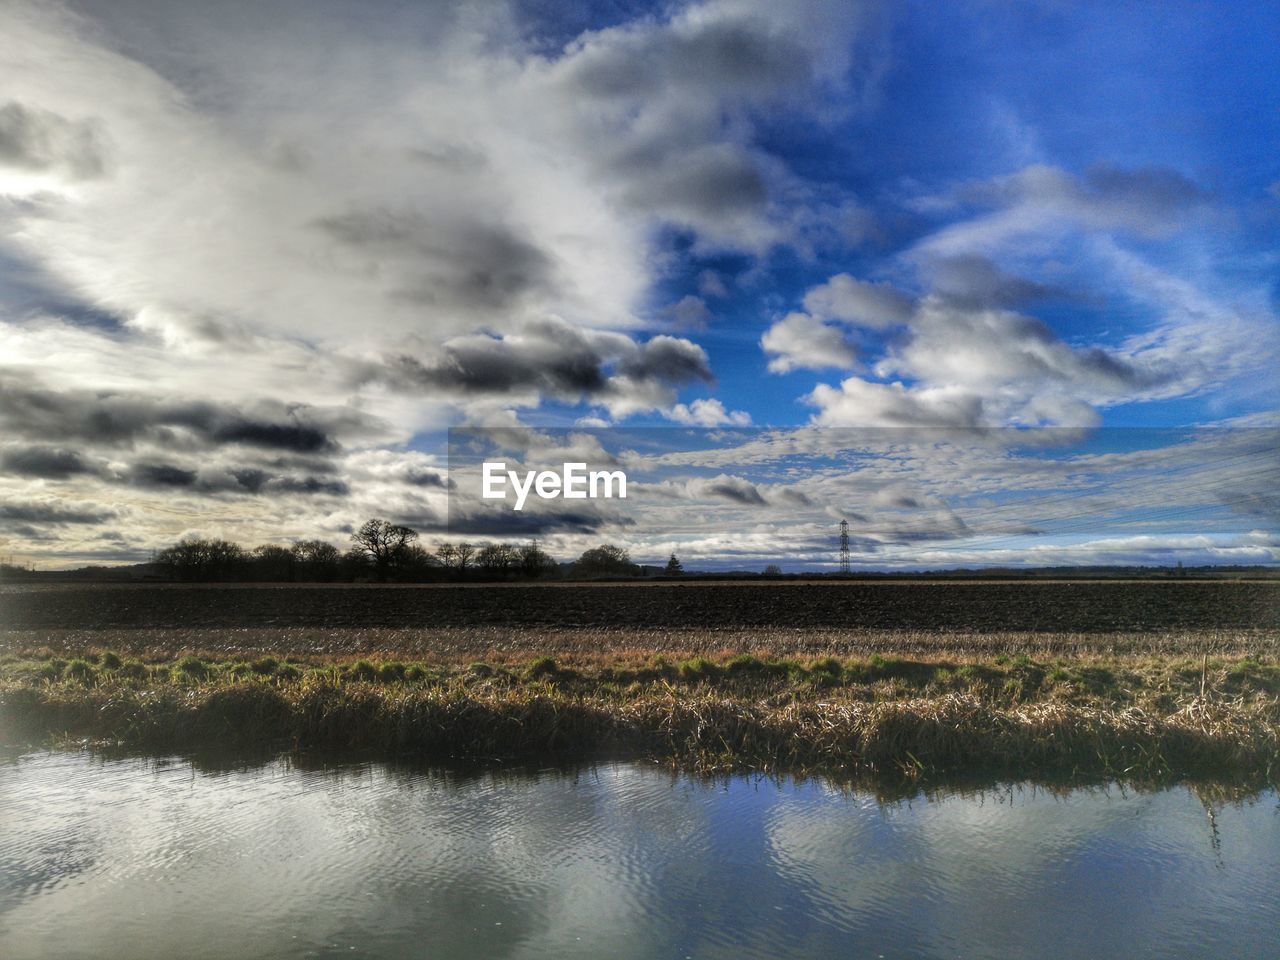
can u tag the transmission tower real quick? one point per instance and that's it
(844, 546)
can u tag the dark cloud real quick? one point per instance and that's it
(669, 360)
(262, 482)
(27, 409)
(251, 479)
(1148, 200)
(275, 436)
(43, 512)
(551, 357)
(1158, 190)
(679, 102)
(975, 280)
(161, 475)
(308, 485)
(427, 478)
(49, 463)
(41, 141)
(712, 184)
(529, 524)
(735, 489)
(463, 265)
(794, 497)
(725, 57)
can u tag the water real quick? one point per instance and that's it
(131, 858)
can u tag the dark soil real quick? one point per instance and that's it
(1062, 606)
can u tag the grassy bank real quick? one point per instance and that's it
(1128, 717)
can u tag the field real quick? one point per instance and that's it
(1113, 679)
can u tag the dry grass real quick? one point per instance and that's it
(596, 645)
(1127, 717)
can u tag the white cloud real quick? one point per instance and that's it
(859, 403)
(874, 305)
(800, 341)
(708, 412)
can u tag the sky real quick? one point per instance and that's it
(257, 260)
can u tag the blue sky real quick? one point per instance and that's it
(256, 262)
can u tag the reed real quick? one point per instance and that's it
(1022, 717)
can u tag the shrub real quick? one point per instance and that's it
(52, 670)
(80, 671)
(265, 666)
(111, 660)
(541, 667)
(133, 670)
(362, 670)
(827, 665)
(391, 672)
(192, 668)
(745, 663)
(697, 668)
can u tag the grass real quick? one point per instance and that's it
(1127, 717)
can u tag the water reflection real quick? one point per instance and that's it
(134, 858)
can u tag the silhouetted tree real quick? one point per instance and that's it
(383, 542)
(274, 563)
(316, 560)
(414, 563)
(773, 570)
(495, 559)
(674, 567)
(534, 562)
(605, 561)
(194, 558)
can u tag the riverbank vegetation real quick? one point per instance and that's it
(1120, 716)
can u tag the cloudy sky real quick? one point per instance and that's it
(257, 258)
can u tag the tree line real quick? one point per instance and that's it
(385, 552)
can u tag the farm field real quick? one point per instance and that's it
(1110, 678)
(966, 606)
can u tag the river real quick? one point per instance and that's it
(116, 858)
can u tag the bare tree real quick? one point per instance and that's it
(316, 559)
(606, 560)
(383, 542)
(273, 562)
(197, 559)
(534, 562)
(465, 553)
(495, 559)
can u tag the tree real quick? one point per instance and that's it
(463, 554)
(414, 563)
(316, 560)
(194, 558)
(534, 562)
(773, 570)
(606, 560)
(495, 559)
(674, 567)
(383, 542)
(274, 563)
